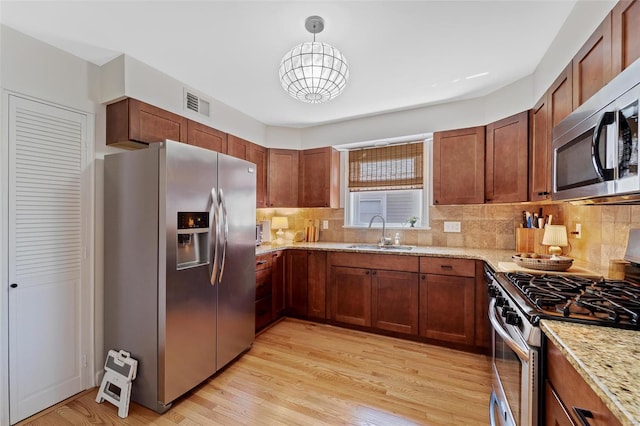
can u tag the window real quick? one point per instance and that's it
(387, 181)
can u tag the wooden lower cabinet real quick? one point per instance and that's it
(567, 394)
(305, 283)
(385, 298)
(264, 312)
(394, 301)
(277, 284)
(448, 300)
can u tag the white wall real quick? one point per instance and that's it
(128, 77)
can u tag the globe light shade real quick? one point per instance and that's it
(314, 72)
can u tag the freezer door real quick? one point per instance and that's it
(187, 300)
(237, 286)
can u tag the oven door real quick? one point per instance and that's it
(514, 398)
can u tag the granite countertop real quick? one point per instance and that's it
(491, 256)
(607, 358)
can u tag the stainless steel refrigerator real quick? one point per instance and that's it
(179, 273)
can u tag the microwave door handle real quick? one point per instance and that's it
(213, 239)
(495, 324)
(604, 174)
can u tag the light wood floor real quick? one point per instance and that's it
(301, 373)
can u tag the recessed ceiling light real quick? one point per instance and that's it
(482, 74)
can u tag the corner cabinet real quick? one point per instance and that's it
(305, 283)
(458, 166)
(282, 186)
(134, 124)
(319, 178)
(507, 154)
(448, 300)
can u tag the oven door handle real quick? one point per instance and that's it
(495, 324)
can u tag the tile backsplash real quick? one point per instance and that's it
(604, 228)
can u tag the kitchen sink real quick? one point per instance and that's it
(380, 248)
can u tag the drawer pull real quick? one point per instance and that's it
(261, 262)
(583, 414)
(448, 267)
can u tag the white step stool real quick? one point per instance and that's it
(120, 371)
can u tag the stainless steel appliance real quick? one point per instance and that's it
(517, 303)
(595, 149)
(179, 280)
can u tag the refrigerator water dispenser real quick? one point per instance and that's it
(192, 239)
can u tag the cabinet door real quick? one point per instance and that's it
(258, 155)
(447, 308)
(539, 152)
(625, 34)
(130, 121)
(296, 282)
(283, 178)
(263, 298)
(458, 166)
(277, 284)
(317, 284)
(560, 97)
(206, 137)
(394, 300)
(319, 174)
(237, 147)
(350, 295)
(507, 164)
(592, 64)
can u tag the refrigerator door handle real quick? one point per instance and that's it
(213, 240)
(225, 225)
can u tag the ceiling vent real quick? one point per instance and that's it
(195, 103)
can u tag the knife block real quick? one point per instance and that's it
(529, 240)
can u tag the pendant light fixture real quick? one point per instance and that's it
(314, 72)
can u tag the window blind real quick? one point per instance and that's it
(386, 168)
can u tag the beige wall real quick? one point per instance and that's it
(604, 228)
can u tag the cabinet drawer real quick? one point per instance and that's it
(263, 261)
(573, 391)
(448, 266)
(263, 312)
(387, 262)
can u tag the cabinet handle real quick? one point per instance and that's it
(366, 273)
(435, 201)
(583, 414)
(424, 277)
(448, 267)
(543, 193)
(261, 262)
(373, 272)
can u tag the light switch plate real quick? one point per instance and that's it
(452, 227)
(325, 224)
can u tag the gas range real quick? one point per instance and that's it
(597, 301)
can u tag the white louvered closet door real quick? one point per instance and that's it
(46, 146)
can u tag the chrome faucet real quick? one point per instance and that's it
(384, 241)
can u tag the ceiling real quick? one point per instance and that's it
(402, 54)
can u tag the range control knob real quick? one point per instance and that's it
(493, 291)
(500, 300)
(506, 310)
(512, 318)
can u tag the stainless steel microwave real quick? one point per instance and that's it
(595, 149)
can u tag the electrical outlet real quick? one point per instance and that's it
(452, 227)
(325, 224)
(578, 232)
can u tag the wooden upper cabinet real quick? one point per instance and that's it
(206, 137)
(506, 173)
(625, 34)
(560, 97)
(132, 123)
(592, 64)
(458, 166)
(282, 182)
(319, 178)
(241, 148)
(539, 152)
